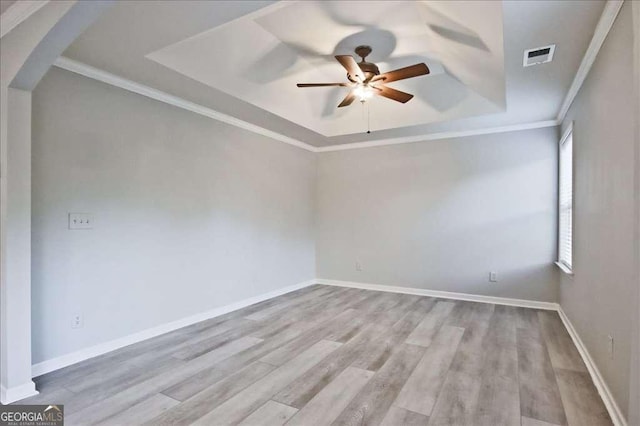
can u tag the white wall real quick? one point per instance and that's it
(190, 214)
(441, 215)
(634, 391)
(599, 298)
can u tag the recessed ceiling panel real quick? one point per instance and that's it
(260, 57)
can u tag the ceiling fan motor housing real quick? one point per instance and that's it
(369, 69)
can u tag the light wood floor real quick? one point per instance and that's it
(328, 355)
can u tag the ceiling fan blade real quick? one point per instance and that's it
(322, 84)
(402, 73)
(393, 94)
(348, 100)
(351, 66)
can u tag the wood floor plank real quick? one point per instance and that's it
(370, 405)
(199, 348)
(314, 311)
(302, 390)
(142, 411)
(498, 402)
(527, 318)
(539, 393)
(352, 327)
(397, 416)
(285, 353)
(474, 349)
(420, 392)
(365, 303)
(433, 320)
(465, 314)
(562, 351)
(271, 310)
(348, 332)
(457, 401)
(129, 371)
(123, 375)
(192, 385)
(271, 413)
(206, 400)
(385, 346)
(499, 346)
(382, 303)
(100, 409)
(526, 421)
(249, 310)
(334, 296)
(52, 396)
(199, 379)
(327, 405)
(242, 404)
(159, 343)
(582, 403)
(114, 386)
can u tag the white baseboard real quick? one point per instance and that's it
(16, 393)
(444, 294)
(102, 348)
(612, 407)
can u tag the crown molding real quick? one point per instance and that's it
(158, 95)
(441, 135)
(149, 92)
(609, 14)
(17, 13)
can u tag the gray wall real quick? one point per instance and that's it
(599, 298)
(441, 215)
(634, 394)
(190, 214)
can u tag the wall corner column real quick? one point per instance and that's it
(15, 291)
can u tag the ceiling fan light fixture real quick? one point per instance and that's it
(365, 79)
(363, 92)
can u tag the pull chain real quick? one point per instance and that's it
(365, 105)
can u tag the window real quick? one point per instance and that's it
(565, 202)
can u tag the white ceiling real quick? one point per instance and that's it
(4, 5)
(244, 59)
(295, 42)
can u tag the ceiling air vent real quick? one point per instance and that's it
(539, 55)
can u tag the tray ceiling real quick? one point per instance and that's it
(260, 57)
(243, 58)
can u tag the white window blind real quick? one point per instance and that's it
(565, 225)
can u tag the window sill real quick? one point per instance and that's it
(564, 268)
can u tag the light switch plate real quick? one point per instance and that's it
(80, 221)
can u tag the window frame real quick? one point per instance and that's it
(568, 132)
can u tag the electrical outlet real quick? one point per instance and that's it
(77, 321)
(493, 277)
(358, 266)
(80, 221)
(610, 347)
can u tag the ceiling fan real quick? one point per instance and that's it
(365, 79)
